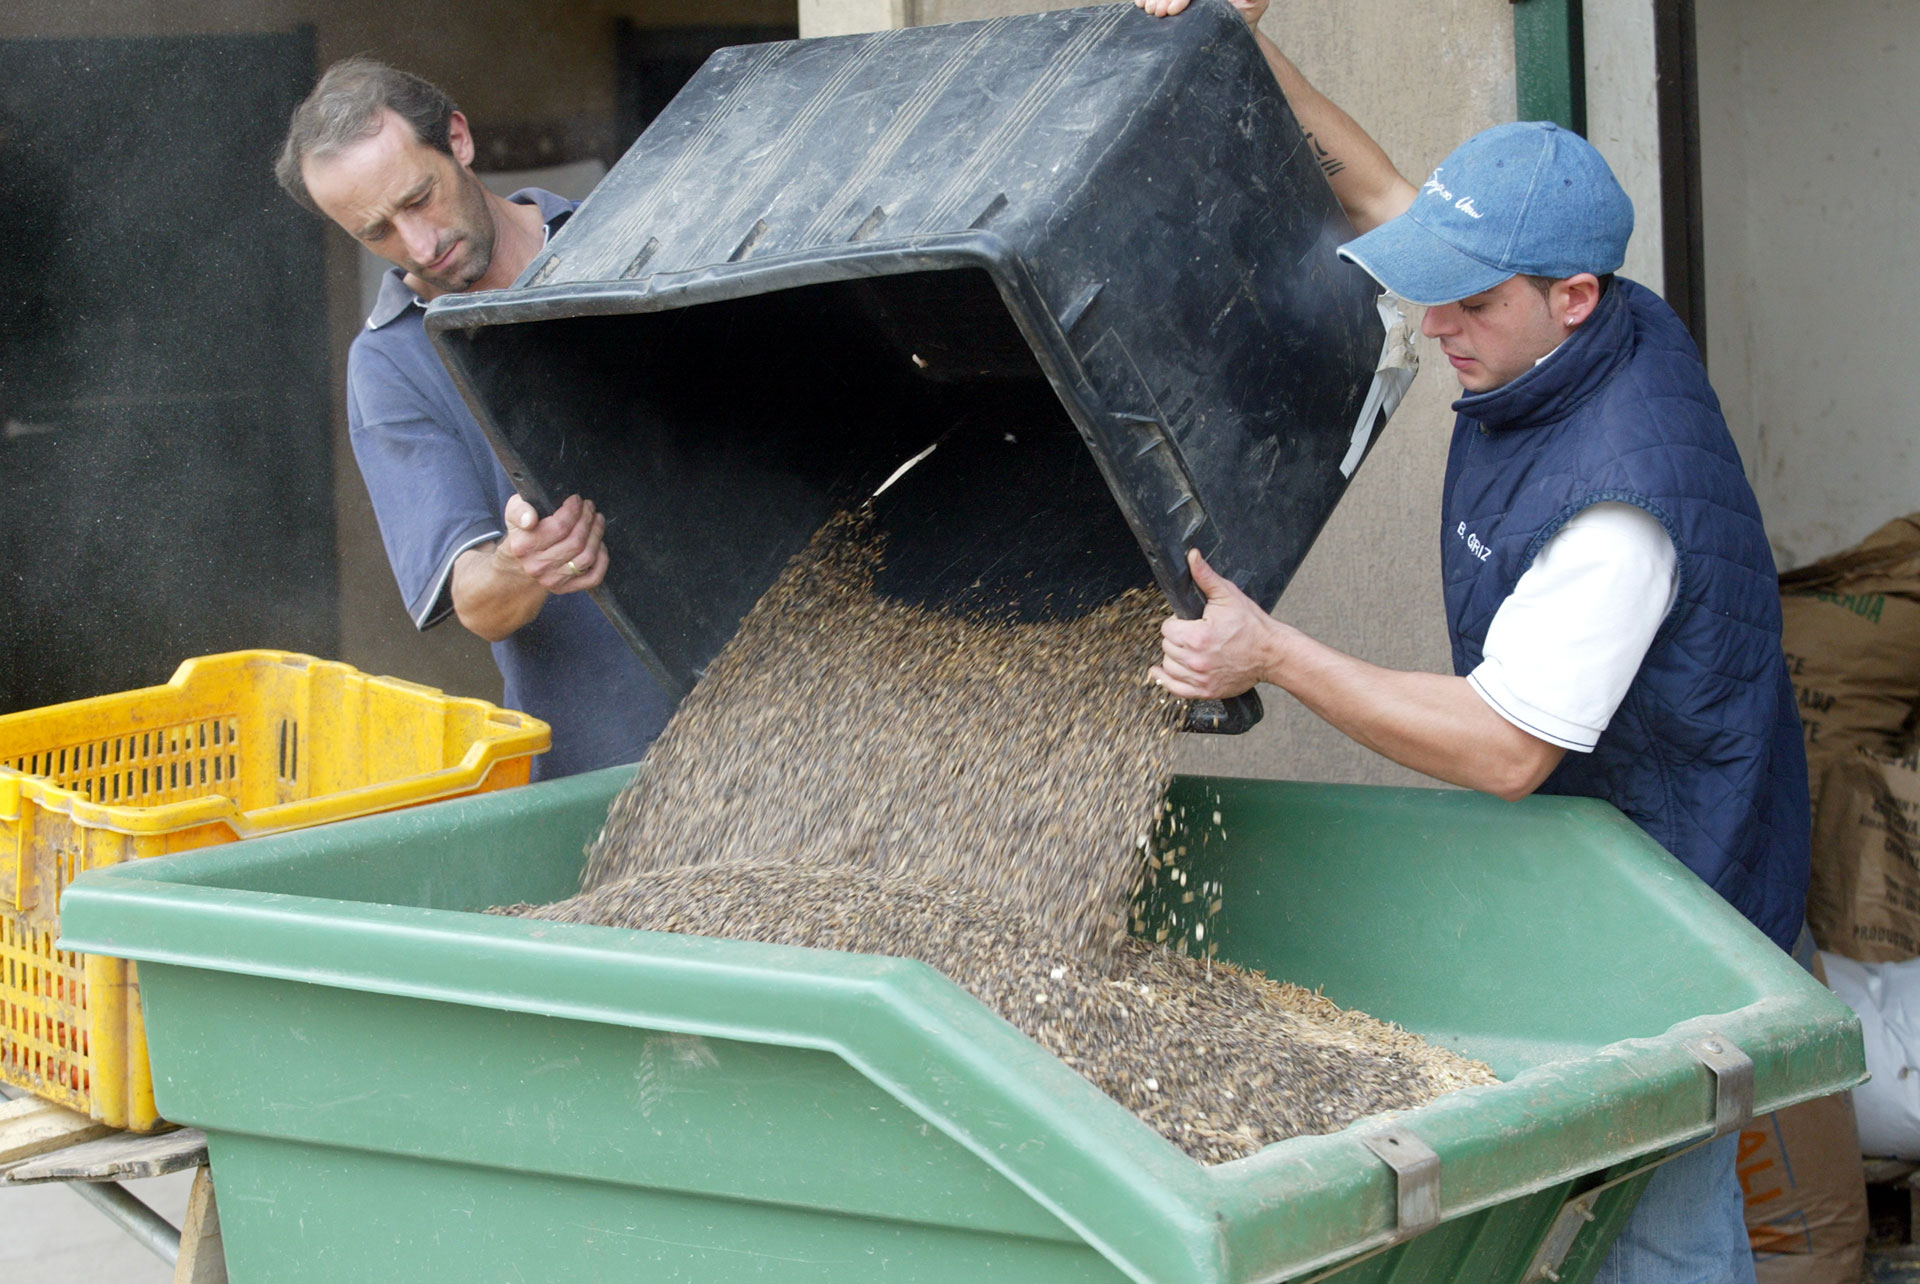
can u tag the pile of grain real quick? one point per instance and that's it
(853, 773)
(1220, 1061)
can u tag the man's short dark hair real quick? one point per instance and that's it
(345, 107)
(1545, 284)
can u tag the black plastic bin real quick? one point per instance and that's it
(1087, 253)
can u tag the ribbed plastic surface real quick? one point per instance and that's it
(235, 745)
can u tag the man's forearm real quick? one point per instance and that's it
(1436, 724)
(491, 596)
(1363, 179)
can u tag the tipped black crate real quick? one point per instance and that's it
(1085, 253)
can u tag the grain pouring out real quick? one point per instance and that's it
(984, 795)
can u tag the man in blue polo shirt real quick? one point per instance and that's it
(1610, 593)
(388, 157)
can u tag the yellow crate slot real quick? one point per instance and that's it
(43, 1030)
(236, 745)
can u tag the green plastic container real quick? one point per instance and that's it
(398, 1088)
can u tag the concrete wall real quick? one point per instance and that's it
(1421, 78)
(1623, 120)
(509, 65)
(1811, 167)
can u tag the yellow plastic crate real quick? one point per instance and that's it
(236, 745)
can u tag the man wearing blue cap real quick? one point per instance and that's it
(1611, 597)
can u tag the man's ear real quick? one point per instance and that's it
(1573, 300)
(460, 138)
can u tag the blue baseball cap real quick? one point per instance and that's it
(1528, 198)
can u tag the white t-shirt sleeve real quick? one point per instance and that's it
(1563, 648)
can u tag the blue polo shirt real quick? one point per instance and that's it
(438, 491)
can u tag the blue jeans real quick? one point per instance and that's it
(1689, 1228)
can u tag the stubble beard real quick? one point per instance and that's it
(477, 235)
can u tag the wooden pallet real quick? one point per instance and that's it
(30, 1127)
(41, 1142)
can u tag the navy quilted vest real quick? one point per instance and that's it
(1705, 753)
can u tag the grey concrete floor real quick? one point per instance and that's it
(49, 1235)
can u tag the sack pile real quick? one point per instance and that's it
(1852, 637)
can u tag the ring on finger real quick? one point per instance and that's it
(572, 569)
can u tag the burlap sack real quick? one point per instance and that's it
(1855, 661)
(1886, 561)
(1852, 638)
(1864, 900)
(1806, 1194)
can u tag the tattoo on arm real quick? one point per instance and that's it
(1329, 163)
